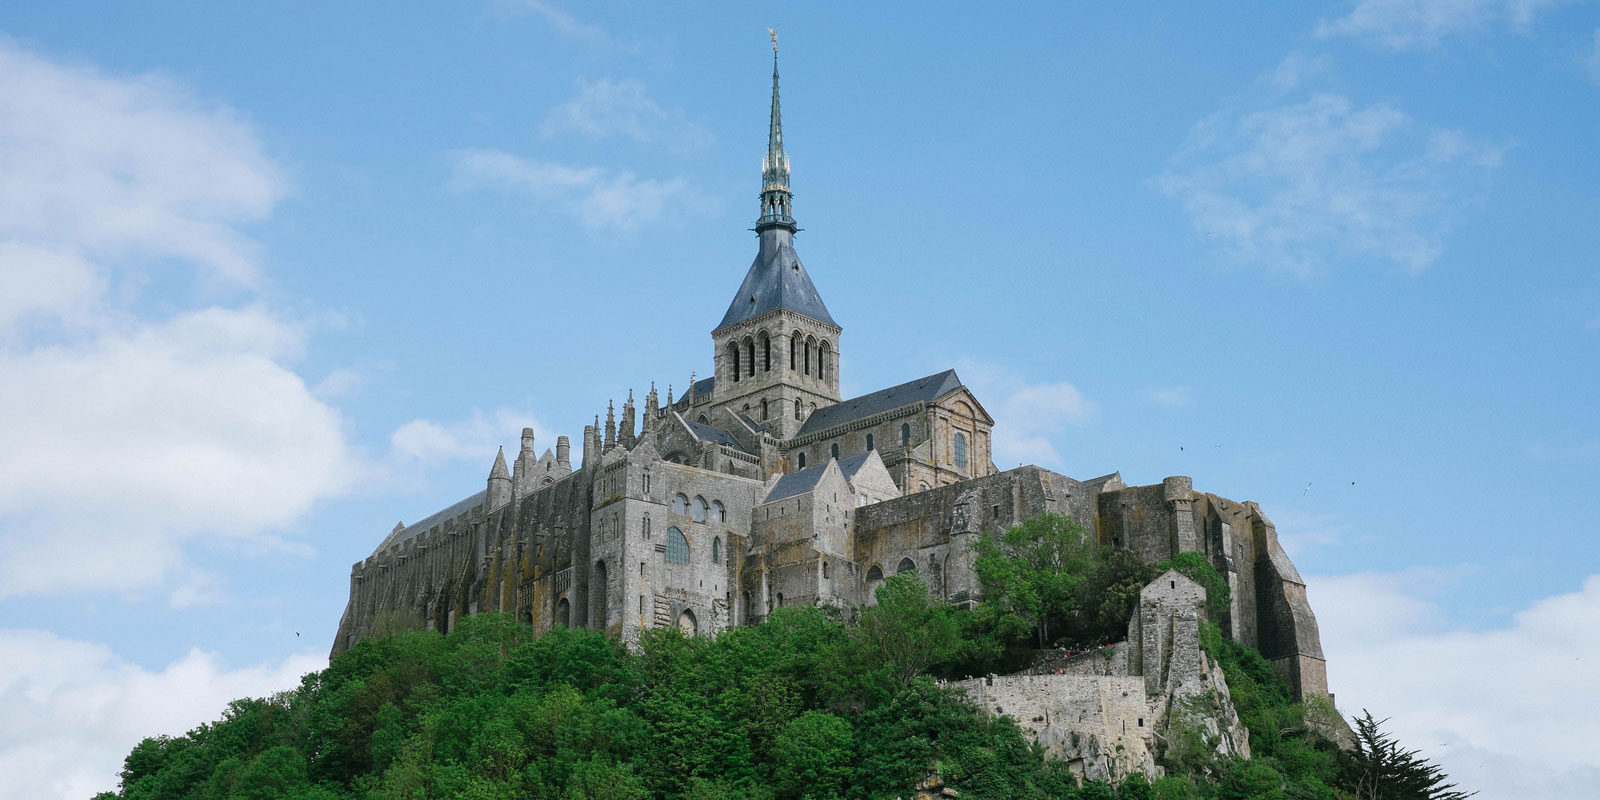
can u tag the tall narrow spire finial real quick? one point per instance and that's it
(775, 196)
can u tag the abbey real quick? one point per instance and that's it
(760, 487)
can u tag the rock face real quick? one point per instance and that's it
(1112, 712)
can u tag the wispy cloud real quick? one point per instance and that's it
(1289, 183)
(475, 438)
(559, 20)
(599, 198)
(1494, 707)
(1412, 24)
(606, 108)
(1591, 61)
(1169, 396)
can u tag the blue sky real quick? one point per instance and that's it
(273, 278)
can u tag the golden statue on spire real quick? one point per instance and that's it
(773, 32)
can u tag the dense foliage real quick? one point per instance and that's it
(807, 704)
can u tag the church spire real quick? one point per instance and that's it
(775, 197)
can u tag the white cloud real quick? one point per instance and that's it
(606, 108)
(472, 439)
(131, 168)
(1290, 184)
(1408, 24)
(117, 450)
(599, 198)
(1029, 417)
(125, 436)
(1169, 396)
(73, 709)
(1506, 710)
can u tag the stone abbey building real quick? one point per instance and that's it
(761, 487)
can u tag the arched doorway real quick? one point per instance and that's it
(687, 623)
(564, 613)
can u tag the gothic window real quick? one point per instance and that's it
(793, 341)
(703, 421)
(646, 526)
(597, 595)
(797, 408)
(677, 546)
(905, 434)
(646, 480)
(875, 574)
(716, 550)
(750, 350)
(811, 344)
(906, 565)
(869, 442)
(687, 624)
(733, 347)
(802, 460)
(680, 505)
(961, 450)
(834, 451)
(823, 351)
(718, 513)
(766, 353)
(699, 509)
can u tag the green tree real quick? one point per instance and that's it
(1380, 769)
(907, 630)
(1032, 571)
(813, 757)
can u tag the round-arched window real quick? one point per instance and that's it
(834, 450)
(869, 442)
(802, 459)
(698, 509)
(716, 550)
(905, 434)
(961, 450)
(677, 546)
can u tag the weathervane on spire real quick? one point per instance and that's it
(773, 32)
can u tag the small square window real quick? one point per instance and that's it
(996, 511)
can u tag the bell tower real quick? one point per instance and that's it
(777, 347)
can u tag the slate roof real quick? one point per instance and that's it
(920, 390)
(776, 280)
(437, 517)
(703, 387)
(798, 483)
(717, 435)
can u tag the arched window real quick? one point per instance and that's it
(733, 348)
(646, 480)
(834, 450)
(797, 408)
(687, 623)
(922, 487)
(961, 450)
(677, 546)
(794, 342)
(646, 526)
(875, 574)
(906, 565)
(749, 613)
(564, 613)
(597, 596)
(869, 442)
(698, 509)
(680, 504)
(780, 599)
(802, 460)
(716, 550)
(824, 569)
(766, 353)
(905, 434)
(823, 351)
(750, 350)
(763, 410)
(703, 421)
(718, 513)
(811, 344)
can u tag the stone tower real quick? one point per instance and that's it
(777, 347)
